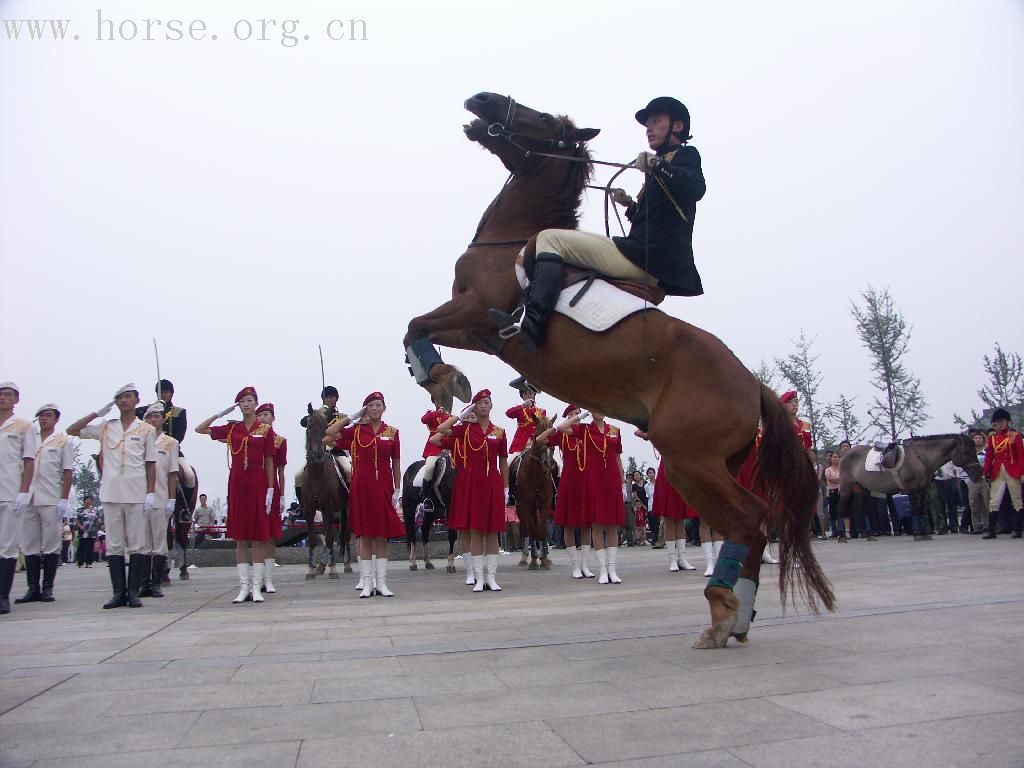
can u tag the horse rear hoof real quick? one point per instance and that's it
(545, 565)
(459, 386)
(532, 566)
(348, 568)
(413, 567)
(310, 576)
(428, 565)
(333, 575)
(450, 568)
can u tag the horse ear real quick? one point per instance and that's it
(585, 134)
(309, 408)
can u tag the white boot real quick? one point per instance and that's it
(362, 577)
(718, 548)
(585, 551)
(574, 556)
(268, 585)
(243, 577)
(258, 569)
(366, 570)
(382, 577)
(602, 566)
(684, 564)
(673, 556)
(709, 557)
(471, 577)
(478, 572)
(492, 570)
(766, 556)
(612, 554)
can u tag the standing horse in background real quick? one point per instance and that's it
(532, 484)
(441, 497)
(914, 470)
(180, 524)
(681, 385)
(322, 489)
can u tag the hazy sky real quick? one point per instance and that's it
(243, 201)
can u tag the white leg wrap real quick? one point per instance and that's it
(746, 591)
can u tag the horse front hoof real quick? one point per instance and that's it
(532, 566)
(428, 565)
(545, 563)
(522, 562)
(450, 568)
(310, 576)
(348, 568)
(741, 637)
(716, 636)
(413, 567)
(459, 385)
(333, 575)
(320, 570)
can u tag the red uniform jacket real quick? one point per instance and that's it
(1004, 449)
(525, 426)
(432, 420)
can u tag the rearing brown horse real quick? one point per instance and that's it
(680, 384)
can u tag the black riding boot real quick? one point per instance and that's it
(146, 584)
(32, 566)
(137, 565)
(993, 521)
(1018, 523)
(117, 582)
(539, 303)
(7, 566)
(158, 563)
(426, 491)
(51, 563)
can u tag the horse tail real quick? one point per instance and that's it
(785, 479)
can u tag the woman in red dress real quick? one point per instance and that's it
(569, 500)
(600, 452)
(376, 488)
(674, 512)
(250, 488)
(265, 412)
(480, 452)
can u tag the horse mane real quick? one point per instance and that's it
(562, 206)
(943, 436)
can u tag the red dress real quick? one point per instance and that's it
(667, 501)
(280, 460)
(477, 502)
(432, 420)
(569, 501)
(247, 480)
(602, 481)
(525, 425)
(371, 512)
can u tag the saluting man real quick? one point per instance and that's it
(48, 506)
(127, 489)
(166, 490)
(1004, 468)
(18, 445)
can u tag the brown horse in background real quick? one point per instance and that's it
(531, 476)
(322, 489)
(680, 384)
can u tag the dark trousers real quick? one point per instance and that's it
(197, 542)
(948, 500)
(654, 523)
(85, 555)
(833, 511)
(65, 551)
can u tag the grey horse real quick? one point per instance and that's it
(921, 457)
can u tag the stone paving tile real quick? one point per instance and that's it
(998, 674)
(83, 669)
(405, 686)
(319, 670)
(857, 707)
(15, 692)
(527, 746)
(989, 741)
(150, 679)
(675, 730)
(715, 758)
(169, 651)
(265, 755)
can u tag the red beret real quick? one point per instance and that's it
(265, 407)
(246, 391)
(373, 396)
(569, 409)
(481, 395)
(787, 396)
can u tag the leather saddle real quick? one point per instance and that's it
(892, 455)
(574, 275)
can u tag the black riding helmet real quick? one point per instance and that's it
(666, 105)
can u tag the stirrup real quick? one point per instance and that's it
(506, 323)
(427, 505)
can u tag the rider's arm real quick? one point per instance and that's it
(339, 424)
(683, 175)
(445, 427)
(567, 425)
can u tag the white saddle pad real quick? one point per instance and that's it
(873, 461)
(602, 306)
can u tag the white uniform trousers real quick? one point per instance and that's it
(40, 531)
(156, 532)
(1003, 482)
(125, 525)
(10, 530)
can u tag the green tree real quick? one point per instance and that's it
(767, 374)
(846, 424)
(1005, 388)
(883, 330)
(799, 369)
(84, 478)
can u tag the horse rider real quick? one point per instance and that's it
(1004, 467)
(523, 414)
(166, 488)
(659, 247)
(432, 419)
(329, 397)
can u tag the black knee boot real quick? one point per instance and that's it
(426, 491)
(50, 564)
(993, 521)
(7, 567)
(1018, 522)
(117, 582)
(32, 567)
(157, 565)
(146, 582)
(137, 565)
(539, 303)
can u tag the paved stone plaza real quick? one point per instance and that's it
(920, 666)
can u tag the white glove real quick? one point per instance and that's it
(357, 416)
(396, 498)
(645, 161)
(270, 499)
(469, 410)
(282, 506)
(62, 509)
(150, 504)
(583, 416)
(103, 410)
(619, 196)
(226, 411)
(169, 508)
(21, 502)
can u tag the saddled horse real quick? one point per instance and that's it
(322, 489)
(921, 456)
(441, 498)
(180, 524)
(531, 481)
(680, 384)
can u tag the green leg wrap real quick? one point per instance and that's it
(729, 565)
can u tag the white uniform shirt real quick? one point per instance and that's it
(56, 454)
(124, 456)
(166, 463)
(18, 441)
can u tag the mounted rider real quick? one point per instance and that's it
(657, 251)
(329, 410)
